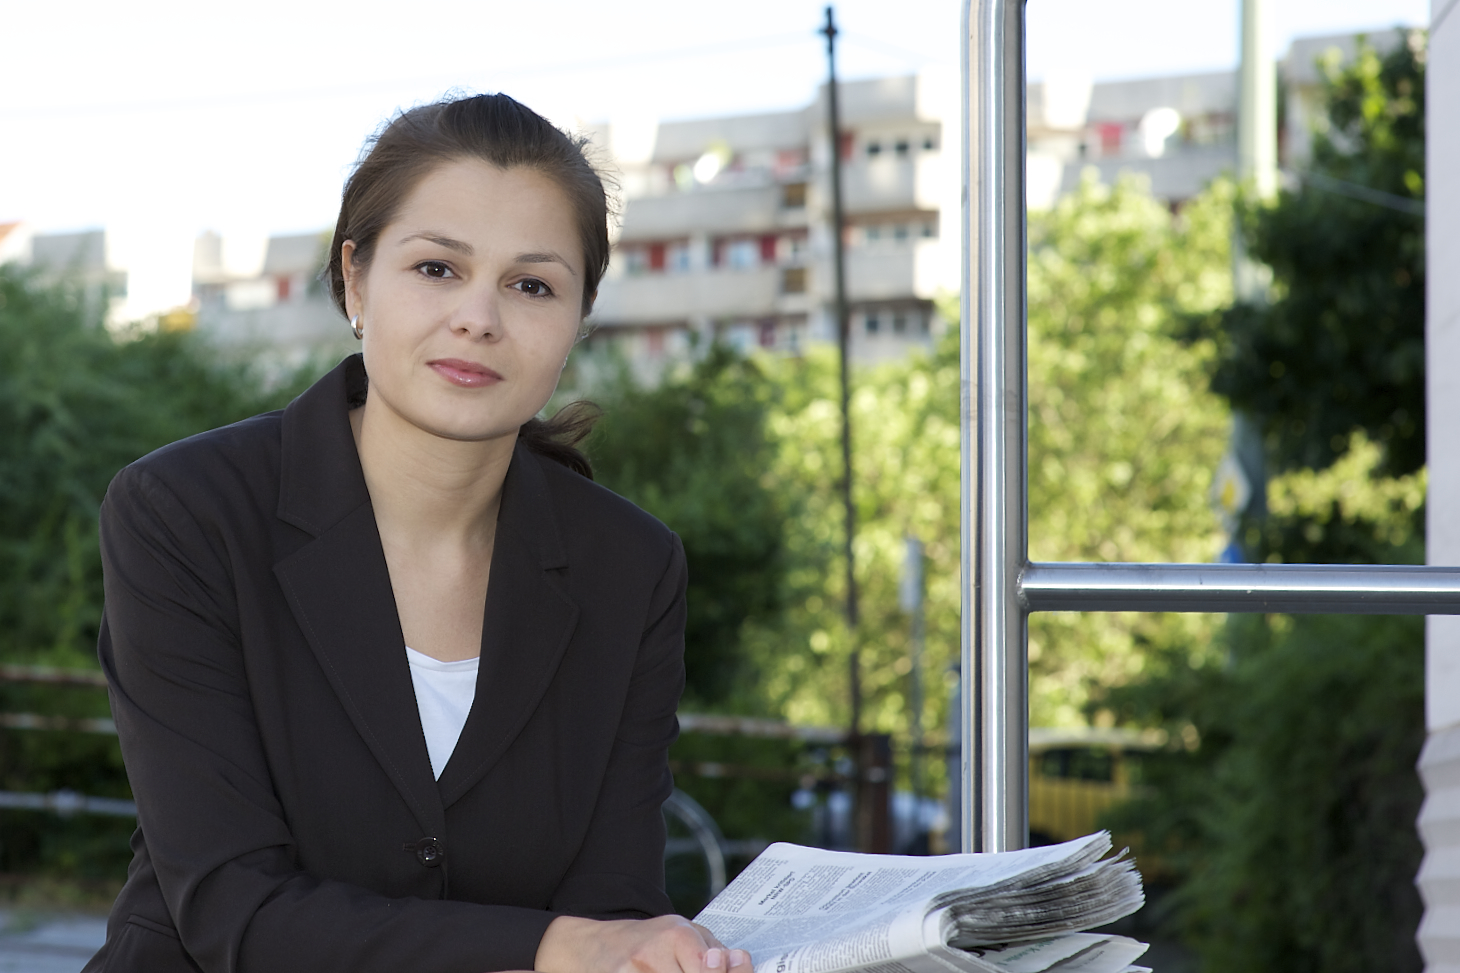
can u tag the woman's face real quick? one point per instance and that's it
(471, 302)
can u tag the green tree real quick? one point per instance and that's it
(1341, 344)
(694, 451)
(76, 404)
(1289, 817)
(1123, 438)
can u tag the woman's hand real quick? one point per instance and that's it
(668, 944)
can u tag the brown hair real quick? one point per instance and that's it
(501, 131)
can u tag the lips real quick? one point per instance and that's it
(465, 374)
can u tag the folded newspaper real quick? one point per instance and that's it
(808, 910)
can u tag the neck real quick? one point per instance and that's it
(427, 490)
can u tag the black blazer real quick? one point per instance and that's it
(287, 815)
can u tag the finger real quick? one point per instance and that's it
(709, 937)
(739, 959)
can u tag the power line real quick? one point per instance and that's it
(354, 89)
(1367, 194)
(890, 50)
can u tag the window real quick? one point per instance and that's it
(874, 149)
(1111, 136)
(768, 333)
(793, 195)
(793, 280)
(874, 322)
(656, 256)
(899, 323)
(929, 143)
(768, 249)
(742, 254)
(902, 148)
(677, 260)
(899, 232)
(873, 233)
(636, 260)
(930, 230)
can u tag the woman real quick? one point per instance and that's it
(395, 684)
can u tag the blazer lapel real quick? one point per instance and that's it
(338, 586)
(528, 622)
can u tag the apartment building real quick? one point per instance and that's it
(726, 223)
(264, 298)
(726, 227)
(84, 258)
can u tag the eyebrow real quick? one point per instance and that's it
(466, 249)
(545, 257)
(461, 247)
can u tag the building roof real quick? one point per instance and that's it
(299, 253)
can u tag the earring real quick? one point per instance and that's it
(355, 327)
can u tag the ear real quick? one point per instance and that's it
(354, 279)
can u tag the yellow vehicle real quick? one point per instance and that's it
(1075, 775)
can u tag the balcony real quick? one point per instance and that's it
(755, 209)
(889, 183)
(919, 268)
(713, 294)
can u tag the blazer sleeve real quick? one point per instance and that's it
(619, 871)
(213, 827)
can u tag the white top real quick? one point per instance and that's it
(444, 692)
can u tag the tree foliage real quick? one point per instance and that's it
(1288, 815)
(694, 451)
(1341, 345)
(76, 404)
(1123, 438)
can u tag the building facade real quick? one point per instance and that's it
(726, 232)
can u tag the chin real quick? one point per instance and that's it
(466, 430)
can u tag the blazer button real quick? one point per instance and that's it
(428, 851)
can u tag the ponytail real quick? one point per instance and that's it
(557, 438)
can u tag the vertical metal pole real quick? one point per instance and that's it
(910, 598)
(995, 504)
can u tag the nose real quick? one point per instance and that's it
(479, 315)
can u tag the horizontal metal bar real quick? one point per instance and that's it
(1290, 588)
(65, 677)
(67, 803)
(750, 726)
(35, 721)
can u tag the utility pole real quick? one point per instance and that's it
(1240, 485)
(843, 340)
(1256, 133)
(872, 752)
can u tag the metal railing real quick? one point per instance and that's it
(1000, 586)
(63, 802)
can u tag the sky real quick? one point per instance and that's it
(160, 119)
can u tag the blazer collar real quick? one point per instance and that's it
(338, 587)
(320, 480)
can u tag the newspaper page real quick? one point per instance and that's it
(808, 910)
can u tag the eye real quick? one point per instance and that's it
(533, 287)
(435, 269)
